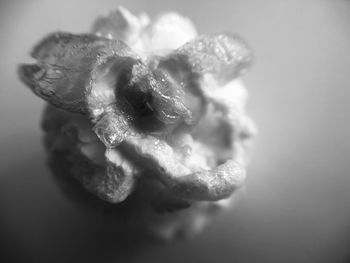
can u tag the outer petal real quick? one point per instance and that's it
(105, 173)
(112, 182)
(66, 65)
(204, 185)
(225, 56)
(115, 182)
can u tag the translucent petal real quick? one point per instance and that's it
(166, 96)
(112, 128)
(226, 56)
(185, 87)
(65, 67)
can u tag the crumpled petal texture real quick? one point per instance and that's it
(148, 111)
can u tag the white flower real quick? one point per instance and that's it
(147, 103)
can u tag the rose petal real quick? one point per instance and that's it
(169, 31)
(205, 185)
(165, 97)
(226, 56)
(119, 24)
(65, 68)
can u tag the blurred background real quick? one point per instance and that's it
(297, 204)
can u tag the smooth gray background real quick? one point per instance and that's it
(296, 208)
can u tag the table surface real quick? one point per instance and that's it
(296, 207)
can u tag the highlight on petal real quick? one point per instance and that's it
(169, 31)
(119, 24)
(119, 179)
